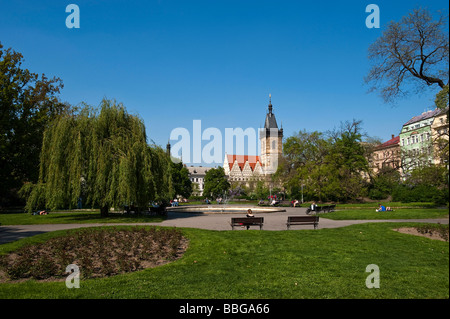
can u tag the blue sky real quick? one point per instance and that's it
(173, 62)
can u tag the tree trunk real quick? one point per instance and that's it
(104, 211)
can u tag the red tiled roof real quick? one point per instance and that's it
(391, 142)
(241, 159)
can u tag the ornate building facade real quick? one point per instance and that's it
(386, 155)
(197, 176)
(246, 168)
(423, 141)
(440, 137)
(416, 141)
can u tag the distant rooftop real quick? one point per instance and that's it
(424, 116)
(198, 169)
(393, 141)
(242, 159)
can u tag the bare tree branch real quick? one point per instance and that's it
(414, 50)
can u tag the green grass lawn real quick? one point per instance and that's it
(74, 217)
(374, 205)
(398, 213)
(325, 263)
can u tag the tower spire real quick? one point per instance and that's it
(270, 104)
(168, 148)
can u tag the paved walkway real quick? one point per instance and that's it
(272, 221)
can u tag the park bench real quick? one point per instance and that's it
(319, 209)
(302, 220)
(247, 221)
(328, 208)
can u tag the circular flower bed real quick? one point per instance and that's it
(97, 252)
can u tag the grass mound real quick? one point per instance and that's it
(98, 252)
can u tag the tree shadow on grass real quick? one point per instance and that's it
(10, 234)
(113, 217)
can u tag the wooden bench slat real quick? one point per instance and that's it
(259, 221)
(303, 220)
(247, 221)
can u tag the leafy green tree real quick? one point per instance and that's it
(303, 163)
(441, 100)
(430, 175)
(434, 179)
(27, 104)
(102, 156)
(348, 162)
(216, 183)
(261, 191)
(195, 190)
(181, 182)
(329, 166)
(384, 183)
(161, 188)
(442, 141)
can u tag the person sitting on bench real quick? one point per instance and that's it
(249, 215)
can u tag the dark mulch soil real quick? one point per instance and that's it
(97, 252)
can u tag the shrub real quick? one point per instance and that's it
(418, 193)
(441, 197)
(377, 194)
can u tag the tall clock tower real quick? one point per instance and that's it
(271, 138)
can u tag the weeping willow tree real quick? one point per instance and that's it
(161, 183)
(100, 155)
